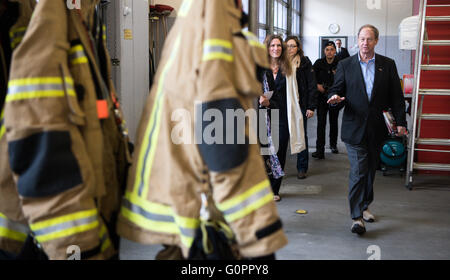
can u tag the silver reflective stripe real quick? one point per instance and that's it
(255, 197)
(104, 238)
(77, 54)
(151, 216)
(13, 226)
(187, 231)
(39, 87)
(217, 49)
(66, 225)
(157, 217)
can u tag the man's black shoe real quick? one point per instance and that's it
(318, 155)
(334, 150)
(301, 175)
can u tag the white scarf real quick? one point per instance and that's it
(295, 116)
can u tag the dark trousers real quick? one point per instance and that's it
(303, 157)
(322, 109)
(364, 160)
(281, 154)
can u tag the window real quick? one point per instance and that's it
(295, 18)
(245, 6)
(278, 17)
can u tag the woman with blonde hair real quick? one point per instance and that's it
(306, 83)
(290, 123)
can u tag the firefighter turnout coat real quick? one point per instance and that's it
(208, 67)
(67, 144)
(13, 226)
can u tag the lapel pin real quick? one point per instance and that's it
(380, 69)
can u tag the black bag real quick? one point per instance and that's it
(213, 241)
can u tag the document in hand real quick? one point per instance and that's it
(268, 94)
(390, 122)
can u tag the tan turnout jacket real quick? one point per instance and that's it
(67, 144)
(208, 63)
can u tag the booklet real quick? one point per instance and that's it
(268, 94)
(390, 122)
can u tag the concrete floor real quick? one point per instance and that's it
(410, 224)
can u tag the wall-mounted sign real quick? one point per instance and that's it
(128, 34)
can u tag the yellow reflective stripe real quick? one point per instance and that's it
(253, 40)
(190, 224)
(157, 226)
(77, 55)
(67, 232)
(218, 56)
(238, 199)
(39, 81)
(185, 7)
(38, 94)
(16, 36)
(42, 87)
(246, 202)
(104, 238)
(65, 225)
(10, 229)
(183, 226)
(149, 206)
(63, 219)
(79, 60)
(104, 32)
(217, 49)
(148, 148)
(11, 234)
(15, 42)
(218, 42)
(249, 209)
(105, 245)
(75, 49)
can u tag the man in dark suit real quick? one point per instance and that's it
(341, 52)
(367, 83)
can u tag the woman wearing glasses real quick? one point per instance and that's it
(306, 84)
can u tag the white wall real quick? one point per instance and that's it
(131, 76)
(386, 15)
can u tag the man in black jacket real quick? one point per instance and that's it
(367, 83)
(341, 52)
(325, 69)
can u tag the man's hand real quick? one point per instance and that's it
(320, 88)
(401, 130)
(264, 101)
(309, 114)
(335, 99)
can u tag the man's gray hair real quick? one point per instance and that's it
(373, 28)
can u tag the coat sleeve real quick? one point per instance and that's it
(339, 85)
(396, 96)
(241, 190)
(311, 87)
(47, 153)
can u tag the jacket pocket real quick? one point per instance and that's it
(76, 114)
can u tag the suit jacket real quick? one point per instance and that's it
(343, 54)
(362, 115)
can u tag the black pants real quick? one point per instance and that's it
(364, 159)
(322, 109)
(281, 154)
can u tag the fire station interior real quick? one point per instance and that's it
(411, 191)
(411, 224)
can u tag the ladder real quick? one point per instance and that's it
(420, 94)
